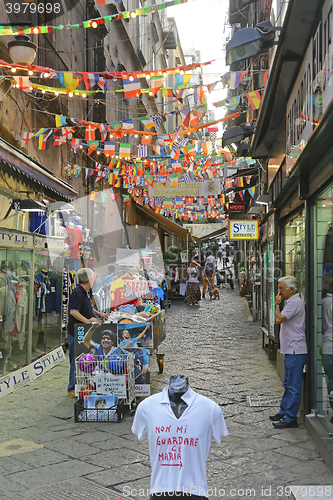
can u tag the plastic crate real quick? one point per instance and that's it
(113, 414)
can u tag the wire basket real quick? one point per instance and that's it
(113, 414)
(112, 375)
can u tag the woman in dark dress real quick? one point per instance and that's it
(193, 293)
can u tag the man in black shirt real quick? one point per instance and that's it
(80, 310)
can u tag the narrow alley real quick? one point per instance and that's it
(44, 454)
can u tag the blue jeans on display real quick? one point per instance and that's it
(71, 384)
(292, 383)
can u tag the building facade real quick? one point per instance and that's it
(292, 143)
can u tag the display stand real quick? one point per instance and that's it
(104, 384)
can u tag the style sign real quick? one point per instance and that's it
(243, 230)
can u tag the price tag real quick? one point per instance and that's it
(39, 295)
(52, 289)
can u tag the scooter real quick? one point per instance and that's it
(224, 276)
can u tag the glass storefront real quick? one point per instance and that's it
(48, 282)
(323, 284)
(294, 251)
(267, 282)
(15, 285)
(31, 282)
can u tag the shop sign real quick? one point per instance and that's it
(56, 243)
(205, 188)
(111, 384)
(243, 230)
(135, 288)
(15, 380)
(236, 207)
(9, 239)
(40, 242)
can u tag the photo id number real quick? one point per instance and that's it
(32, 8)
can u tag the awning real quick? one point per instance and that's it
(35, 171)
(214, 234)
(166, 224)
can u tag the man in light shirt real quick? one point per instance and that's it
(293, 346)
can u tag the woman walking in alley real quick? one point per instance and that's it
(193, 293)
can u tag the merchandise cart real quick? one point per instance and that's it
(104, 379)
(104, 386)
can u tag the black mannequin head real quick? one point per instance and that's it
(178, 384)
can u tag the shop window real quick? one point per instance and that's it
(15, 283)
(48, 282)
(323, 252)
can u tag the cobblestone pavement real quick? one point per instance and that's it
(45, 455)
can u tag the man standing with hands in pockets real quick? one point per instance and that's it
(293, 346)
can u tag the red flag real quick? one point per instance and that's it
(90, 133)
(146, 140)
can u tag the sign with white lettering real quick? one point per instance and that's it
(19, 240)
(111, 384)
(205, 188)
(243, 230)
(15, 380)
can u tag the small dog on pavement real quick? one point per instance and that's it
(214, 294)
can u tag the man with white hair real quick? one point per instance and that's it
(293, 346)
(80, 310)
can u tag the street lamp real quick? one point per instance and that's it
(241, 149)
(22, 50)
(237, 133)
(250, 42)
(263, 199)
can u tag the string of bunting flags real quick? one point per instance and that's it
(139, 180)
(117, 130)
(71, 80)
(92, 23)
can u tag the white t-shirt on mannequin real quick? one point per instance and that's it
(179, 448)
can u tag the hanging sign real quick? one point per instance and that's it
(205, 188)
(236, 207)
(243, 230)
